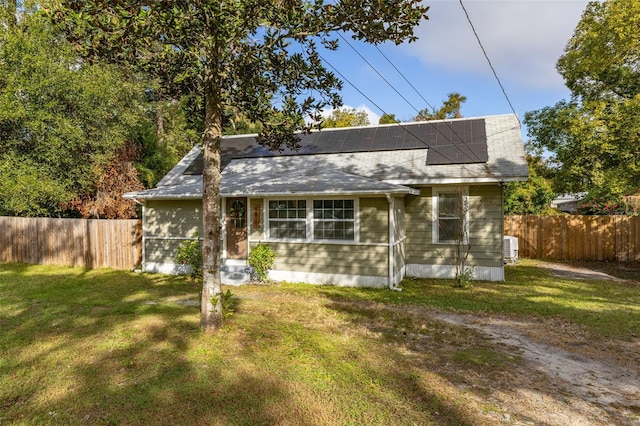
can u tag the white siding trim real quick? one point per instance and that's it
(317, 242)
(392, 234)
(341, 280)
(144, 239)
(483, 273)
(167, 268)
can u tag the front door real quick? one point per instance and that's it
(236, 228)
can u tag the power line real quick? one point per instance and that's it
(405, 78)
(448, 124)
(495, 74)
(405, 127)
(379, 74)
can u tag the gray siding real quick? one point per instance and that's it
(161, 251)
(485, 229)
(166, 224)
(173, 218)
(374, 220)
(349, 259)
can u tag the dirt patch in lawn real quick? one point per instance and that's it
(564, 379)
(616, 271)
(567, 377)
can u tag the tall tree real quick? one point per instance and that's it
(346, 117)
(595, 136)
(61, 121)
(449, 109)
(257, 56)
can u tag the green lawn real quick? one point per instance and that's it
(110, 347)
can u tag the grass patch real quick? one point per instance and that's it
(112, 347)
(604, 308)
(481, 357)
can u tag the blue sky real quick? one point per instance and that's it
(523, 39)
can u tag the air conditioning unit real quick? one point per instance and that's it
(510, 249)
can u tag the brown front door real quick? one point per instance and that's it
(236, 228)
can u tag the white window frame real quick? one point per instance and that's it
(354, 220)
(268, 219)
(310, 220)
(464, 191)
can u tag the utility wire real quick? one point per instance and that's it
(404, 78)
(402, 125)
(495, 74)
(379, 74)
(448, 124)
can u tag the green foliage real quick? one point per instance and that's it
(261, 259)
(61, 119)
(601, 58)
(533, 196)
(594, 137)
(160, 152)
(190, 254)
(346, 117)
(228, 303)
(260, 57)
(449, 109)
(388, 119)
(464, 278)
(606, 206)
(235, 123)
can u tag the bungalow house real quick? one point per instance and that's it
(361, 206)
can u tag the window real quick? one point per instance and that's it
(333, 220)
(450, 216)
(288, 219)
(312, 220)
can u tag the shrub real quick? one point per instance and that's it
(261, 261)
(190, 253)
(609, 206)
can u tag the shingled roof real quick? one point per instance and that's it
(451, 142)
(373, 159)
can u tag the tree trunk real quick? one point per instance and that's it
(211, 316)
(160, 123)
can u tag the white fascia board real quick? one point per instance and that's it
(162, 197)
(455, 181)
(321, 194)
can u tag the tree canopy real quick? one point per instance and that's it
(388, 119)
(533, 196)
(61, 121)
(594, 137)
(346, 117)
(258, 57)
(450, 109)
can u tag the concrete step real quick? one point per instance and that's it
(235, 274)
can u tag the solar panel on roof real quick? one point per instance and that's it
(449, 142)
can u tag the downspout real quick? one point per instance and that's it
(392, 240)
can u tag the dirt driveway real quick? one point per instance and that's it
(568, 379)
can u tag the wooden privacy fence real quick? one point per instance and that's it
(614, 238)
(89, 243)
